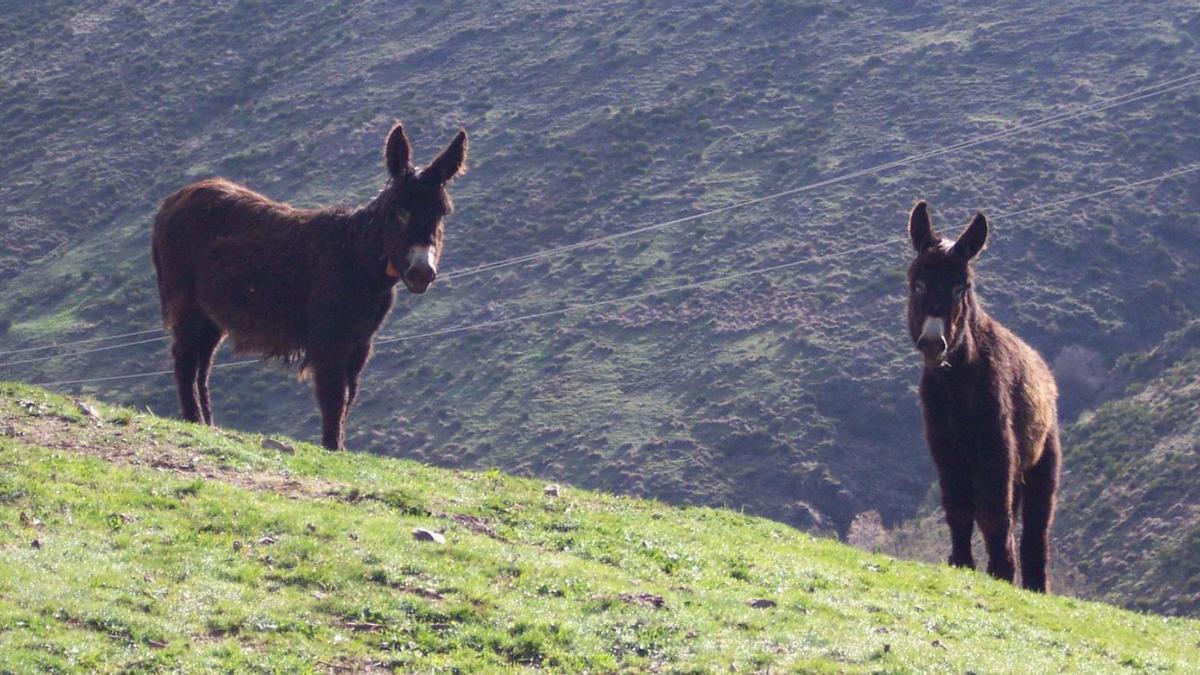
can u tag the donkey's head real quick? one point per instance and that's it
(939, 284)
(414, 204)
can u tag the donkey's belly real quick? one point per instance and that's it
(262, 315)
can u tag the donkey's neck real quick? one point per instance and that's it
(977, 327)
(363, 229)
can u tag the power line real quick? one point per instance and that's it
(80, 352)
(1120, 188)
(777, 267)
(1088, 109)
(156, 373)
(78, 342)
(578, 307)
(1100, 105)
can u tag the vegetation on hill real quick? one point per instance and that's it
(136, 543)
(789, 395)
(1134, 527)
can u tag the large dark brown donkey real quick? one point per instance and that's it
(990, 408)
(307, 286)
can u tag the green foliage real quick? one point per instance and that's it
(272, 562)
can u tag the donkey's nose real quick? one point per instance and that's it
(419, 277)
(932, 346)
(932, 341)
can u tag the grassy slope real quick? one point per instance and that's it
(789, 395)
(1136, 475)
(163, 544)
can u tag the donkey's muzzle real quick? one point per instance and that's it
(418, 278)
(932, 348)
(932, 342)
(421, 269)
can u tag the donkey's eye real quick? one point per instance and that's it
(919, 288)
(402, 216)
(958, 292)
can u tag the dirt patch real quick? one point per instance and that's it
(475, 524)
(116, 445)
(353, 666)
(644, 600)
(132, 445)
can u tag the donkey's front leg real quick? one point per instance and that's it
(994, 513)
(960, 517)
(331, 381)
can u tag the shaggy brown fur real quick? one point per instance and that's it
(308, 286)
(989, 404)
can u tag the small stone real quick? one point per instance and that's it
(272, 444)
(551, 490)
(267, 540)
(87, 410)
(422, 534)
(36, 543)
(761, 603)
(237, 546)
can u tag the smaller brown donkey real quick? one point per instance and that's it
(302, 286)
(990, 409)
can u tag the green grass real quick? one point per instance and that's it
(789, 395)
(162, 545)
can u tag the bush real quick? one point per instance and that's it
(867, 531)
(1081, 375)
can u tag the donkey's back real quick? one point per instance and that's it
(193, 220)
(238, 259)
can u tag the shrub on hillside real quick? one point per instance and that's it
(867, 531)
(1081, 375)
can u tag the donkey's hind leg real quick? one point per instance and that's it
(331, 388)
(208, 337)
(1037, 512)
(192, 341)
(358, 359)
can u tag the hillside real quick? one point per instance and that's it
(131, 542)
(1136, 478)
(787, 395)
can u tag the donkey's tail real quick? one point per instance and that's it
(158, 277)
(173, 274)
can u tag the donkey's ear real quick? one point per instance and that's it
(453, 159)
(920, 229)
(973, 239)
(398, 152)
